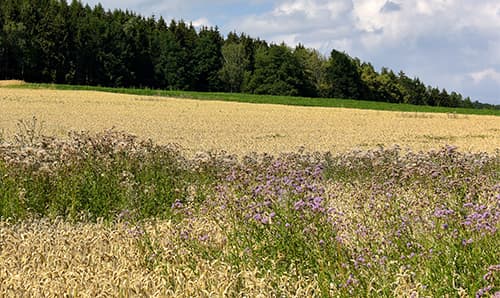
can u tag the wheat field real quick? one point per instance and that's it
(43, 257)
(241, 128)
(4, 83)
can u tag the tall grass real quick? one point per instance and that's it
(96, 175)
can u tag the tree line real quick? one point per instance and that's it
(54, 41)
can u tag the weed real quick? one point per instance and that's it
(29, 131)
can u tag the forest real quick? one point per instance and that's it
(53, 41)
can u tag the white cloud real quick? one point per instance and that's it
(202, 22)
(486, 74)
(393, 21)
(313, 8)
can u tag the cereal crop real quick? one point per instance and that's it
(243, 200)
(4, 83)
(242, 128)
(43, 258)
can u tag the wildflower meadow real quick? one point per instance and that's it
(366, 223)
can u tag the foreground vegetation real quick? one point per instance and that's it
(270, 99)
(365, 223)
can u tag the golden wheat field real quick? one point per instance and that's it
(43, 258)
(4, 83)
(56, 258)
(241, 128)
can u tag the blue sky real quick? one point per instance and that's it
(453, 44)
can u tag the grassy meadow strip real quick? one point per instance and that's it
(382, 222)
(268, 99)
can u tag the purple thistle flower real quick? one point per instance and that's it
(257, 217)
(317, 200)
(484, 291)
(299, 205)
(264, 220)
(491, 269)
(443, 212)
(136, 231)
(184, 235)
(350, 281)
(177, 205)
(465, 242)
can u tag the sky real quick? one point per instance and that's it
(452, 44)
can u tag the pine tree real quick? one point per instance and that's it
(208, 60)
(344, 80)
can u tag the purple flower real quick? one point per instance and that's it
(177, 205)
(136, 231)
(351, 281)
(467, 241)
(264, 220)
(443, 212)
(184, 234)
(299, 205)
(317, 201)
(257, 190)
(491, 269)
(483, 291)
